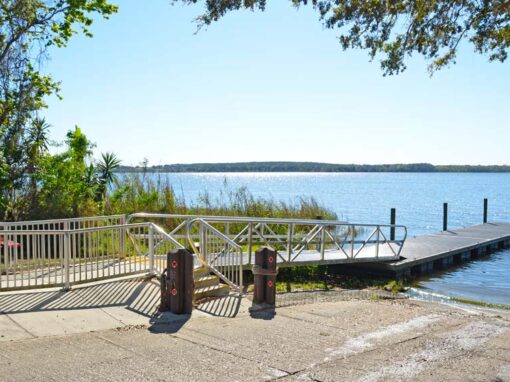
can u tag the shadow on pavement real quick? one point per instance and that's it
(262, 311)
(138, 295)
(168, 323)
(227, 306)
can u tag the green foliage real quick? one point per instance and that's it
(65, 189)
(27, 28)
(107, 166)
(398, 29)
(394, 286)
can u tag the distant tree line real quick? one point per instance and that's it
(312, 167)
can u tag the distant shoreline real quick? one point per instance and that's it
(314, 167)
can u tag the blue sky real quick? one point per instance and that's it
(268, 86)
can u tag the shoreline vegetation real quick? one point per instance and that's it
(36, 184)
(312, 167)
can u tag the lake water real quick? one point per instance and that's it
(368, 197)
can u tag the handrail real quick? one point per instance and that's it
(247, 219)
(231, 271)
(64, 220)
(218, 233)
(74, 231)
(162, 232)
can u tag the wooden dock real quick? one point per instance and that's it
(424, 254)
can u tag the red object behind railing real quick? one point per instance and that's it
(10, 243)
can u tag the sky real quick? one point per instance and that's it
(268, 86)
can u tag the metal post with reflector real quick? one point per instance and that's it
(264, 276)
(177, 283)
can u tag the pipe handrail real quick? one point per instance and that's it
(64, 220)
(247, 219)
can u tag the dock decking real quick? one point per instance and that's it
(423, 254)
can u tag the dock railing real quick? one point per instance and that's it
(65, 252)
(227, 244)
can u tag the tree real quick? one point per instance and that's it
(397, 29)
(27, 29)
(65, 189)
(106, 172)
(37, 147)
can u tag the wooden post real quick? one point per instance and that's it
(264, 276)
(445, 216)
(485, 209)
(270, 292)
(393, 214)
(177, 284)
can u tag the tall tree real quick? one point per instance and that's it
(37, 147)
(27, 29)
(397, 29)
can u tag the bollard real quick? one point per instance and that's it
(264, 276)
(177, 283)
(445, 216)
(485, 209)
(258, 277)
(270, 292)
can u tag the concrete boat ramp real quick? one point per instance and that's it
(424, 254)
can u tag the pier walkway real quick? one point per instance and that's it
(424, 254)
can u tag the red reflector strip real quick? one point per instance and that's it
(174, 264)
(173, 291)
(270, 284)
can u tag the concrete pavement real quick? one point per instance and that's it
(328, 340)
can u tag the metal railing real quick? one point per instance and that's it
(221, 242)
(68, 251)
(217, 252)
(61, 224)
(31, 258)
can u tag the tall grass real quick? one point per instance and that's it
(142, 192)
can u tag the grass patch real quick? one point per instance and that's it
(367, 282)
(292, 286)
(310, 278)
(480, 303)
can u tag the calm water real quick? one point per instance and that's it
(368, 197)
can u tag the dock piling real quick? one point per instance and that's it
(392, 222)
(485, 209)
(445, 216)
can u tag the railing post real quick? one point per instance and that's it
(250, 234)
(241, 281)
(203, 241)
(393, 214)
(151, 250)
(378, 237)
(122, 238)
(7, 261)
(67, 256)
(445, 216)
(290, 235)
(323, 239)
(485, 209)
(352, 241)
